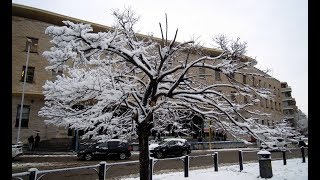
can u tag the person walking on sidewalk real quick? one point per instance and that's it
(31, 141)
(37, 140)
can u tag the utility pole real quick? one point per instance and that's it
(209, 134)
(23, 89)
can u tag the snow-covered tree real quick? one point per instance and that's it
(302, 122)
(120, 84)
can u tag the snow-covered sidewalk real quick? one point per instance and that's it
(294, 170)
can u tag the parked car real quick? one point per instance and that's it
(171, 147)
(16, 150)
(275, 145)
(303, 142)
(112, 148)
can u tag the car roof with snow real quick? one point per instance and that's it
(175, 139)
(113, 140)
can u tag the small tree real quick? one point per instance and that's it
(127, 85)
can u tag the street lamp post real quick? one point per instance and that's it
(23, 89)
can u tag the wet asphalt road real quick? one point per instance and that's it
(198, 159)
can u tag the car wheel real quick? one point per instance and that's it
(122, 156)
(88, 157)
(184, 153)
(159, 154)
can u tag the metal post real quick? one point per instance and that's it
(215, 161)
(240, 160)
(303, 155)
(23, 89)
(186, 166)
(210, 135)
(284, 157)
(77, 140)
(102, 170)
(151, 168)
(33, 173)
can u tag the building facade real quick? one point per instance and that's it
(290, 110)
(28, 28)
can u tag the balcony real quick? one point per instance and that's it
(288, 99)
(289, 117)
(289, 107)
(286, 89)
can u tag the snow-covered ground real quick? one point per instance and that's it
(294, 170)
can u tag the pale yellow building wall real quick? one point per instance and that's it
(21, 29)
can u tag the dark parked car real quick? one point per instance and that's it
(171, 147)
(303, 142)
(112, 148)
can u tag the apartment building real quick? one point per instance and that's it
(28, 27)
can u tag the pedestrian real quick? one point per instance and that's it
(224, 136)
(37, 140)
(217, 135)
(200, 142)
(31, 141)
(213, 135)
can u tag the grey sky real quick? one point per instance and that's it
(276, 31)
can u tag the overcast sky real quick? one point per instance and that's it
(276, 30)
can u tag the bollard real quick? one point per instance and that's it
(102, 170)
(186, 166)
(303, 155)
(33, 173)
(151, 168)
(265, 167)
(284, 157)
(215, 161)
(240, 160)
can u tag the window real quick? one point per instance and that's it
(245, 99)
(25, 116)
(262, 122)
(56, 72)
(217, 76)
(261, 102)
(33, 42)
(220, 97)
(253, 81)
(270, 87)
(268, 123)
(202, 72)
(271, 104)
(232, 75)
(287, 94)
(255, 100)
(233, 96)
(265, 99)
(279, 106)
(244, 79)
(275, 105)
(259, 83)
(30, 74)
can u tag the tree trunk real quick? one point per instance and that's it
(143, 136)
